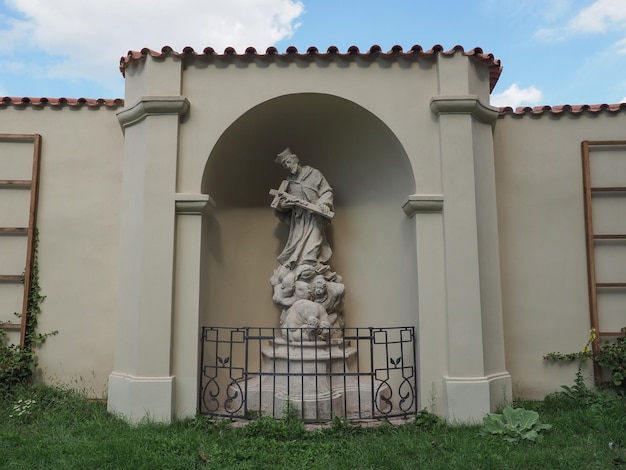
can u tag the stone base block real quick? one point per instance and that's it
(321, 407)
(469, 399)
(500, 390)
(136, 398)
(312, 378)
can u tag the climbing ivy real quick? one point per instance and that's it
(17, 362)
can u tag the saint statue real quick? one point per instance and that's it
(304, 201)
(309, 294)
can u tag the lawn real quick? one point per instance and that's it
(56, 429)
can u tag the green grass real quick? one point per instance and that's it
(63, 430)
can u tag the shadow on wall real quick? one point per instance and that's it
(372, 240)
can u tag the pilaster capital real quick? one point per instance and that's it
(423, 203)
(152, 106)
(464, 104)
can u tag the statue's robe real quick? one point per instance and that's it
(307, 241)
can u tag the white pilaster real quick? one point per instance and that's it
(472, 278)
(427, 210)
(185, 361)
(142, 383)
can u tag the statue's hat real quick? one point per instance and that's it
(284, 155)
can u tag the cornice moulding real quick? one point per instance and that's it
(187, 203)
(423, 204)
(152, 106)
(464, 104)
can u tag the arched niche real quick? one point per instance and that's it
(373, 241)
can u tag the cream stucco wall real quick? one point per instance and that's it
(79, 226)
(542, 240)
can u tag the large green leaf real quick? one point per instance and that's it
(514, 424)
(520, 418)
(494, 424)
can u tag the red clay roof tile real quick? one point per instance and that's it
(562, 109)
(208, 53)
(60, 102)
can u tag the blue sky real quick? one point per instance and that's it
(553, 51)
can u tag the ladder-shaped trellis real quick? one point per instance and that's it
(13, 184)
(604, 183)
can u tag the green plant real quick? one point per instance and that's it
(22, 408)
(426, 420)
(580, 356)
(277, 429)
(289, 412)
(579, 392)
(341, 427)
(613, 357)
(17, 362)
(514, 424)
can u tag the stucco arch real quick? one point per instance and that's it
(371, 173)
(325, 130)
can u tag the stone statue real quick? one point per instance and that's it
(308, 292)
(304, 201)
(305, 321)
(330, 296)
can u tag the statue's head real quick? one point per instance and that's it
(288, 160)
(319, 287)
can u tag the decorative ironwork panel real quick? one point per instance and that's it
(361, 374)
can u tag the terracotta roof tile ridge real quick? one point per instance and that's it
(61, 102)
(188, 51)
(561, 109)
(488, 59)
(332, 51)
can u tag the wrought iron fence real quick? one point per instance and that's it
(353, 373)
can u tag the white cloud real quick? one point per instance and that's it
(621, 46)
(88, 37)
(539, 10)
(515, 96)
(623, 100)
(13, 66)
(600, 17)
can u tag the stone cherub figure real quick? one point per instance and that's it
(306, 320)
(308, 292)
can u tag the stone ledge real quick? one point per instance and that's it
(192, 204)
(152, 106)
(464, 104)
(423, 204)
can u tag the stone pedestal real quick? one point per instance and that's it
(314, 379)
